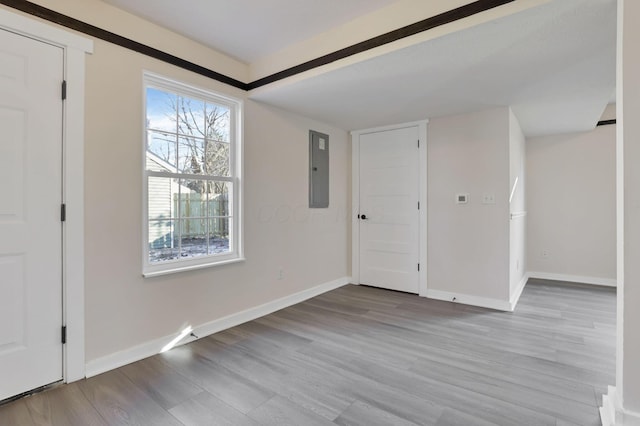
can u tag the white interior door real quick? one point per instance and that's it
(389, 211)
(31, 74)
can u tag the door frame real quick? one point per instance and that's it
(355, 199)
(75, 48)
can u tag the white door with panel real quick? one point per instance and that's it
(389, 216)
(31, 74)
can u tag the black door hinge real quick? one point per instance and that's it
(64, 334)
(418, 205)
(418, 266)
(63, 212)
(64, 89)
(418, 143)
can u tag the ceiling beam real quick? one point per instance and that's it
(444, 18)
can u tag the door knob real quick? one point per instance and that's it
(363, 216)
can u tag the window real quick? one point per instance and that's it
(192, 149)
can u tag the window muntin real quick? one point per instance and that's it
(192, 180)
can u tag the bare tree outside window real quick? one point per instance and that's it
(205, 149)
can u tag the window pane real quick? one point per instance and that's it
(218, 123)
(163, 193)
(219, 229)
(191, 120)
(161, 152)
(191, 155)
(217, 159)
(193, 200)
(219, 199)
(189, 137)
(163, 242)
(161, 110)
(194, 238)
(193, 212)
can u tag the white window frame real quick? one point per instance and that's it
(236, 109)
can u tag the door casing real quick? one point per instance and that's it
(355, 202)
(75, 48)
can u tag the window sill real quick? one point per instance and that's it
(178, 269)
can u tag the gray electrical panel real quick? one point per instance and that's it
(318, 170)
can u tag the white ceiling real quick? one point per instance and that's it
(249, 29)
(554, 64)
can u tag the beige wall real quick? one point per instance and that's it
(123, 309)
(571, 204)
(468, 244)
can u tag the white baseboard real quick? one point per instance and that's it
(515, 297)
(466, 299)
(612, 413)
(608, 409)
(147, 349)
(608, 282)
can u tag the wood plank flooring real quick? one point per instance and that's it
(366, 356)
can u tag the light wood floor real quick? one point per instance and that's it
(365, 356)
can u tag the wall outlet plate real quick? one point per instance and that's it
(488, 198)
